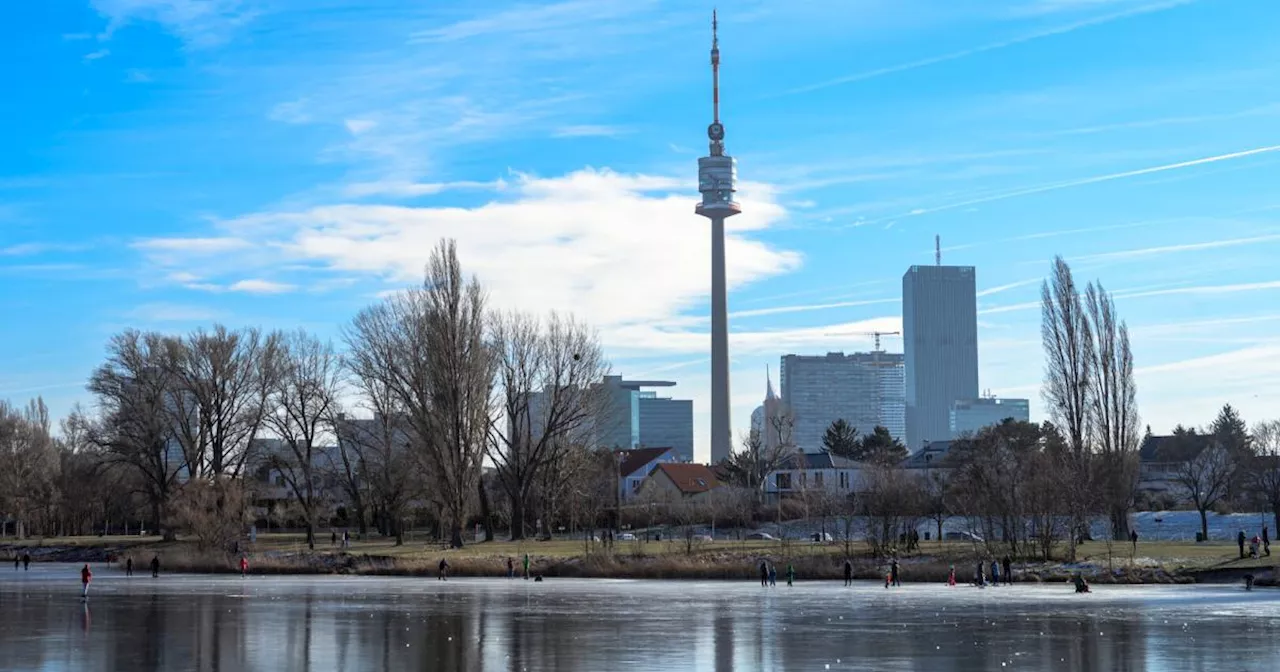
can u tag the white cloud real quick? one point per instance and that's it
(135, 76)
(291, 112)
(256, 286)
(93, 56)
(359, 126)
(1188, 247)
(408, 189)
(534, 19)
(620, 249)
(199, 23)
(215, 245)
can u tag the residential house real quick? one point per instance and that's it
(1161, 457)
(670, 480)
(634, 467)
(806, 472)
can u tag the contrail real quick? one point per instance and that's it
(933, 60)
(1090, 180)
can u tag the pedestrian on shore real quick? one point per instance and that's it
(526, 566)
(1133, 539)
(444, 570)
(791, 574)
(26, 561)
(995, 573)
(128, 566)
(1240, 538)
(244, 566)
(848, 573)
(1254, 543)
(893, 574)
(511, 568)
(951, 576)
(155, 566)
(773, 576)
(764, 574)
(1266, 541)
(85, 577)
(1008, 570)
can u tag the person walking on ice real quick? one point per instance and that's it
(85, 577)
(848, 573)
(791, 574)
(444, 570)
(244, 566)
(128, 566)
(155, 566)
(764, 574)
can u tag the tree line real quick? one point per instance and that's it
(431, 383)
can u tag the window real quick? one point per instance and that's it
(701, 483)
(817, 480)
(783, 481)
(635, 485)
(844, 480)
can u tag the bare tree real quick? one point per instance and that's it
(133, 389)
(427, 346)
(548, 395)
(1205, 478)
(221, 381)
(30, 461)
(303, 404)
(750, 467)
(1113, 409)
(892, 502)
(1068, 350)
(1265, 468)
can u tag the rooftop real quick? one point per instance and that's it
(690, 479)
(635, 459)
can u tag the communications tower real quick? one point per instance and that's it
(716, 176)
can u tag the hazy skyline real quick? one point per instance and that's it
(170, 163)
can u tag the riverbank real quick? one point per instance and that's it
(1152, 563)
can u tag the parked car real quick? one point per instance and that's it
(626, 536)
(702, 537)
(761, 536)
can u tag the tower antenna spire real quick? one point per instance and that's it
(715, 67)
(937, 250)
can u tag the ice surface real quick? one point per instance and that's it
(366, 623)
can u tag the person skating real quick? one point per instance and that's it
(1240, 538)
(1266, 541)
(1082, 586)
(791, 574)
(773, 576)
(995, 573)
(85, 577)
(1133, 539)
(128, 566)
(848, 573)
(244, 566)
(893, 573)
(17, 561)
(526, 566)
(951, 576)
(511, 568)
(444, 570)
(1008, 570)
(26, 561)
(333, 538)
(155, 566)
(979, 579)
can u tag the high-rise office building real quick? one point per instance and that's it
(940, 344)
(631, 416)
(864, 389)
(971, 415)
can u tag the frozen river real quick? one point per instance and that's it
(362, 623)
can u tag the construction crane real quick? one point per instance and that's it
(876, 334)
(875, 363)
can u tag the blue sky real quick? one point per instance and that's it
(170, 163)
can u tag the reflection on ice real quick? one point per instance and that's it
(362, 623)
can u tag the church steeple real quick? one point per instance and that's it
(768, 394)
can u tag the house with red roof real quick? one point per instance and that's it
(634, 466)
(670, 481)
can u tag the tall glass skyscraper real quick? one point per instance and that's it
(940, 344)
(863, 389)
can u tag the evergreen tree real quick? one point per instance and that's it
(880, 447)
(841, 439)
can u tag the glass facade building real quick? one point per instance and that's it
(864, 389)
(940, 344)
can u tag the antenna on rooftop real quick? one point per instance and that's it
(937, 250)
